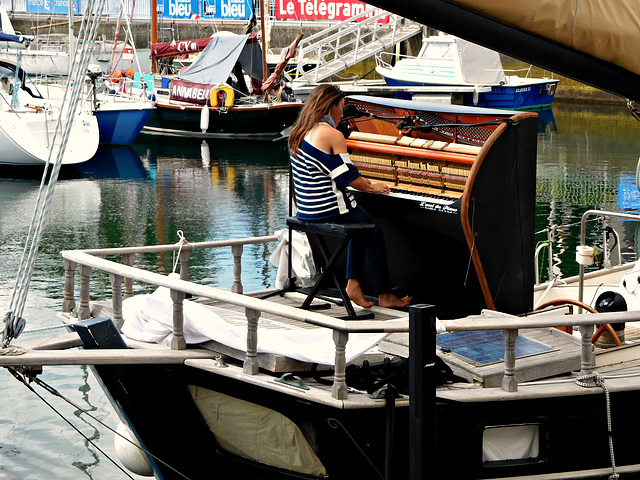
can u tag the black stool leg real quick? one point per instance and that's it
(329, 264)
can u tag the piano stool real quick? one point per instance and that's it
(344, 233)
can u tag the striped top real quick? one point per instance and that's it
(320, 182)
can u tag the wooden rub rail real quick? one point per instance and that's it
(413, 163)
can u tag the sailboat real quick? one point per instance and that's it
(498, 393)
(28, 122)
(211, 97)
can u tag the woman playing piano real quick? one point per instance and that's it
(322, 171)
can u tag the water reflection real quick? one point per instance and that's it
(546, 120)
(261, 152)
(587, 162)
(114, 161)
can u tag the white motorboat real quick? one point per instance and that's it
(449, 61)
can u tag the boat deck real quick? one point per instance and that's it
(214, 357)
(558, 361)
(235, 316)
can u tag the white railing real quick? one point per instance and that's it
(349, 42)
(123, 274)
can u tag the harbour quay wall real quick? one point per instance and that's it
(282, 33)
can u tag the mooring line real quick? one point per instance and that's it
(56, 393)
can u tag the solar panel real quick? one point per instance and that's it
(487, 346)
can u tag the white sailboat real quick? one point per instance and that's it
(28, 124)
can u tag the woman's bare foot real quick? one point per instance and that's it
(354, 291)
(389, 300)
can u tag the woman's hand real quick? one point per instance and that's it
(365, 185)
(380, 188)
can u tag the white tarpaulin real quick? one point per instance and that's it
(149, 318)
(303, 267)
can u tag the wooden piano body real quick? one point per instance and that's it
(459, 223)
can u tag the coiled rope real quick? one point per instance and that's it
(593, 380)
(13, 321)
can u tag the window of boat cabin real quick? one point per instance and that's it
(510, 445)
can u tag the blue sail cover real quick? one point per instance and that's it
(6, 37)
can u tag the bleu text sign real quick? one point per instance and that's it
(222, 9)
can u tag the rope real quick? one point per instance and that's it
(89, 440)
(14, 323)
(181, 242)
(473, 246)
(596, 380)
(114, 50)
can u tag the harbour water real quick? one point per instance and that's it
(587, 157)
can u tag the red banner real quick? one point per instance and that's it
(184, 91)
(321, 9)
(177, 48)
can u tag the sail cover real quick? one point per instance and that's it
(592, 41)
(601, 28)
(7, 37)
(215, 63)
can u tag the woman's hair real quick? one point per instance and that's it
(320, 101)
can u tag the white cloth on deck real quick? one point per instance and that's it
(302, 265)
(149, 318)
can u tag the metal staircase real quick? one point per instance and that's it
(350, 42)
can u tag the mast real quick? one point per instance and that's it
(72, 41)
(154, 30)
(263, 12)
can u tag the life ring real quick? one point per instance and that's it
(222, 96)
(550, 89)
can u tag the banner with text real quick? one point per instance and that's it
(59, 7)
(184, 91)
(221, 9)
(320, 9)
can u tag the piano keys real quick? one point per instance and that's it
(459, 223)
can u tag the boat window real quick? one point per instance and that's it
(437, 51)
(504, 445)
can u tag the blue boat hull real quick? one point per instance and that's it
(534, 96)
(121, 127)
(529, 97)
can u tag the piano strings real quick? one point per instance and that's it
(413, 165)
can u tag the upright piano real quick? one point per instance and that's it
(459, 222)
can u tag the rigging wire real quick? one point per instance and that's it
(13, 321)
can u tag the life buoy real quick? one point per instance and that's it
(549, 89)
(222, 96)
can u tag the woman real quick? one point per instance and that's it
(322, 171)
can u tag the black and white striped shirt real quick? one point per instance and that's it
(320, 182)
